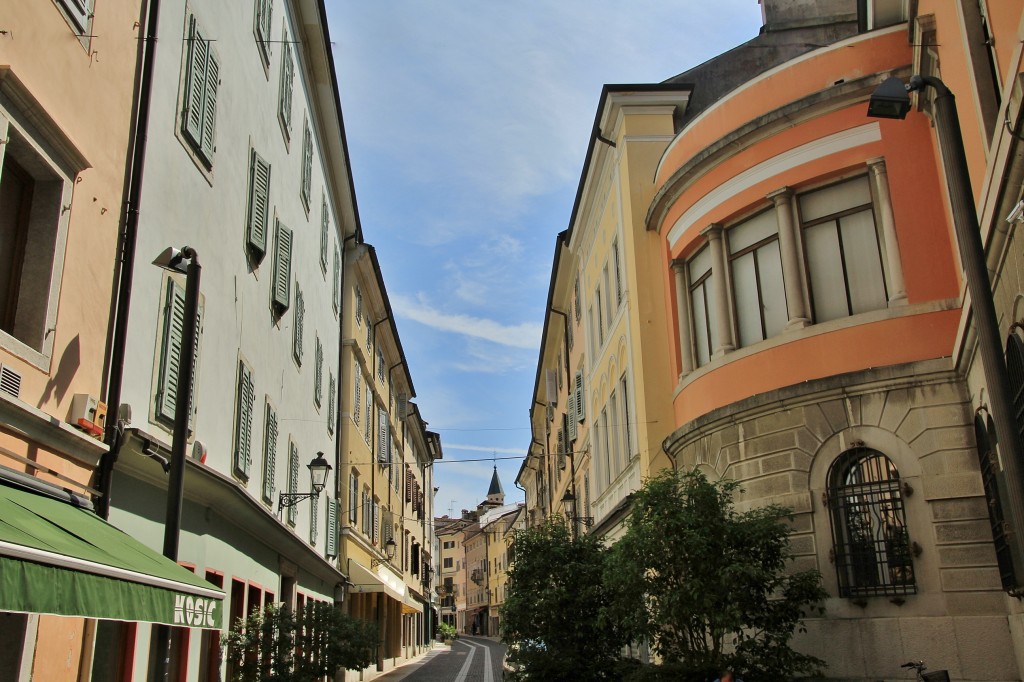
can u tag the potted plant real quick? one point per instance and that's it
(447, 632)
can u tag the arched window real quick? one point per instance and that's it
(1015, 370)
(993, 479)
(871, 545)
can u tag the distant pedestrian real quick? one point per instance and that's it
(728, 676)
(475, 629)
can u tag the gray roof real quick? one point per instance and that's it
(495, 488)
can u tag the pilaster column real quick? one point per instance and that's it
(683, 313)
(880, 182)
(792, 270)
(726, 342)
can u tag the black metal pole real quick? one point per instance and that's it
(179, 441)
(972, 253)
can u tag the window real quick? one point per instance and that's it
(382, 436)
(259, 206)
(314, 515)
(261, 28)
(369, 412)
(325, 224)
(581, 412)
(332, 390)
(375, 527)
(318, 372)
(578, 300)
(34, 188)
(269, 452)
(300, 315)
(627, 433)
(245, 399)
(199, 96)
(843, 250)
(359, 305)
(353, 497)
(449, 544)
(293, 480)
(307, 165)
(281, 284)
(702, 296)
(380, 365)
(170, 354)
(284, 97)
(367, 513)
(600, 318)
(994, 481)
(873, 551)
(618, 273)
(755, 263)
(79, 13)
(336, 294)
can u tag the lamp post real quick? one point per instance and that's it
(173, 260)
(891, 100)
(389, 553)
(319, 469)
(569, 504)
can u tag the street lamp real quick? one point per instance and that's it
(569, 504)
(184, 260)
(891, 100)
(389, 553)
(319, 468)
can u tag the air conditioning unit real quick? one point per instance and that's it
(88, 414)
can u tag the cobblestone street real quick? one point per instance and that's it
(470, 659)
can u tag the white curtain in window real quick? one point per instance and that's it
(863, 262)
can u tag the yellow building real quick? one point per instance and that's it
(386, 471)
(498, 526)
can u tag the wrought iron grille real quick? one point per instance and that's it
(1015, 372)
(871, 545)
(991, 478)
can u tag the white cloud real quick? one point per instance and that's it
(524, 335)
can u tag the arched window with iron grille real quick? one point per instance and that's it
(992, 479)
(872, 550)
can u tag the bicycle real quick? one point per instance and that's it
(920, 667)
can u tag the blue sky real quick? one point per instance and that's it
(467, 124)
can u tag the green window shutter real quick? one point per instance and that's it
(318, 373)
(369, 411)
(325, 223)
(293, 481)
(170, 362)
(281, 285)
(358, 401)
(382, 436)
(561, 448)
(332, 528)
(376, 522)
(259, 205)
(206, 145)
(195, 83)
(307, 164)
(314, 519)
(336, 298)
(331, 393)
(269, 454)
(581, 411)
(572, 424)
(243, 420)
(300, 318)
(285, 95)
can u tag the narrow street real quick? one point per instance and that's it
(470, 659)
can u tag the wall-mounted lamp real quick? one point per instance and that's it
(569, 504)
(319, 468)
(389, 552)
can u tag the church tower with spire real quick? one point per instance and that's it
(495, 493)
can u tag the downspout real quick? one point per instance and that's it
(546, 464)
(373, 377)
(339, 445)
(568, 379)
(128, 233)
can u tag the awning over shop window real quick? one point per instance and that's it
(365, 580)
(59, 559)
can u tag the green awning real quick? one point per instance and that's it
(60, 559)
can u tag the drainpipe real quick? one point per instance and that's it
(125, 267)
(568, 378)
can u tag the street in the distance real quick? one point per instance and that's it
(469, 659)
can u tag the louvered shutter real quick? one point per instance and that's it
(300, 319)
(581, 410)
(376, 522)
(281, 286)
(367, 435)
(174, 321)
(269, 454)
(408, 484)
(568, 333)
(331, 544)
(353, 498)
(210, 105)
(287, 76)
(195, 83)
(561, 448)
(382, 433)
(324, 225)
(336, 295)
(618, 274)
(357, 409)
(259, 204)
(331, 393)
(264, 14)
(318, 372)
(571, 423)
(293, 481)
(307, 163)
(359, 305)
(314, 519)
(243, 422)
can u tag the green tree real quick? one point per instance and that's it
(273, 645)
(552, 618)
(708, 586)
